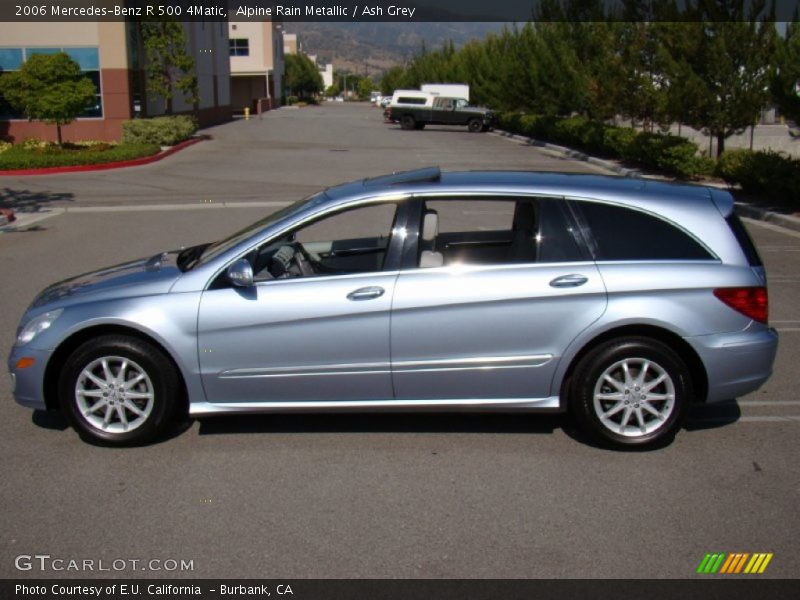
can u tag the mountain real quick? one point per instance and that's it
(371, 48)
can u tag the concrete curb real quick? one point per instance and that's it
(574, 154)
(762, 214)
(743, 209)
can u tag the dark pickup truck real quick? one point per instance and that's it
(441, 111)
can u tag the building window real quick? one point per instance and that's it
(88, 59)
(239, 47)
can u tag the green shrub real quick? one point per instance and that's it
(731, 164)
(617, 139)
(767, 172)
(164, 131)
(18, 157)
(509, 121)
(667, 153)
(32, 143)
(292, 100)
(5, 146)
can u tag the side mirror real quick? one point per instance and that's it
(240, 273)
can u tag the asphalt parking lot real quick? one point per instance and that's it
(340, 496)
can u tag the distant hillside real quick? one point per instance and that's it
(371, 48)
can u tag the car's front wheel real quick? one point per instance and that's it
(118, 390)
(630, 392)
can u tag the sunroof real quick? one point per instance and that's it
(425, 175)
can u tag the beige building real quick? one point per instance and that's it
(256, 64)
(290, 43)
(326, 72)
(110, 54)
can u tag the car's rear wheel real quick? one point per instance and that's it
(630, 392)
(407, 122)
(475, 125)
(118, 390)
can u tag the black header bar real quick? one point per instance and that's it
(398, 10)
(734, 588)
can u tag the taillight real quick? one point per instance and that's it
(750, 301)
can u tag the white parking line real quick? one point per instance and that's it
(770, 419)
(25, 220)
(753, 419)
(768, 402)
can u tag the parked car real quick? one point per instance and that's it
(440, 110)
(621, 300)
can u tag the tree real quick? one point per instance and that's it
(733, 61)
(301, 76)
(393, 79)
(333, 90)
(49, 88)
(169, 67)
(786, 84)
(365, 87)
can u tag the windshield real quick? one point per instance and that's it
(213, 250)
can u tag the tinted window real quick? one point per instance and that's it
(499, 232)
(406, 100)
(625, 234)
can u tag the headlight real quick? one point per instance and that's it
(37, 325)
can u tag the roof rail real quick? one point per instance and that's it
(424, 175)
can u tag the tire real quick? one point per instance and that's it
(419, 126)
(407, 122)
(118, 391)
(475, 125)
(604, 402)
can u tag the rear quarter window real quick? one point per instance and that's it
(621, 233)
(746, 243)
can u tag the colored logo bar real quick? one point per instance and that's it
(734, 563)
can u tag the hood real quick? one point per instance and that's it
(141, 277)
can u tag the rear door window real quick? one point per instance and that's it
(621, 233)
(498, 231)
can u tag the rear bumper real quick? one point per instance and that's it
(736, 363)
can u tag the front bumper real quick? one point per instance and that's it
(28, 383)
(736, 363)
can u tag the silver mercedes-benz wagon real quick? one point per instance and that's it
(620, 300)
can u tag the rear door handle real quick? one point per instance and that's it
(573, 280)
(366, 293)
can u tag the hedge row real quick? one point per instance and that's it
(757, 172)
(767, 173)
(164, 131)
(666, 153)
(18, 157)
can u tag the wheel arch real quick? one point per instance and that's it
(72, 342)
(673, 340)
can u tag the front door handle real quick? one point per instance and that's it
(573, 280)
(366, 293)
